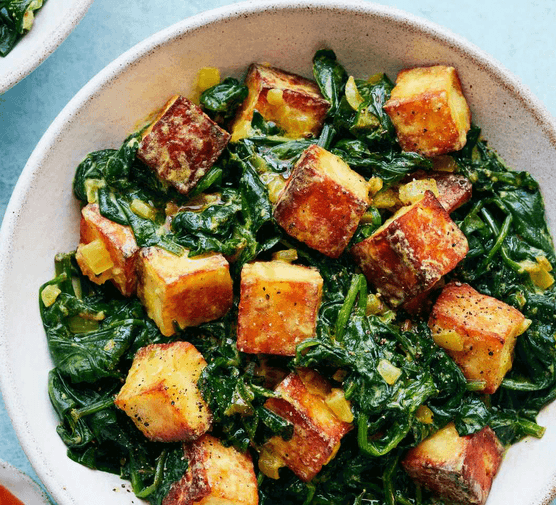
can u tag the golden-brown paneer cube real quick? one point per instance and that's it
(216, 475)
(479, 332)
(182, 144)
(317, 429)
(322, 202)
(453, 189)
(182, 291)
(160, 393)
(429, 111)
(457, 469)
(411, 251)
(107, 251)
(291, 101)
(278, 307)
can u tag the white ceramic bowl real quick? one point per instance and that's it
(53, 23)
(21, 486)
(42, 217)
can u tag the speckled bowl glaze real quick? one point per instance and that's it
(53, 23)
(42, 217)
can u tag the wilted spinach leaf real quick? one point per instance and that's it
(223, 98)
(331, 77)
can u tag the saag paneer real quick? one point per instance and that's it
(338, 279)
(16, 19)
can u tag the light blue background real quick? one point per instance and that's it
(520, 34)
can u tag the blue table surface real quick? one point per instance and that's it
(521, 35)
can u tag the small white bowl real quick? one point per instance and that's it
(53, 23)
(21, 485)
(42, 218)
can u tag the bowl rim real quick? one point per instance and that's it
(103, 78)
(20, 70)
(21, 485)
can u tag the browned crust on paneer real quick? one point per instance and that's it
(453, 189)
(419, 305)
(183, 291)
(300, 110)
(322, 202)
(411, 251)
(457, 469)
(487, 327)
(278, 307)
(429, 111)
(215, 475)
(317, 431)
(160, 393)
(120, 244)
(183, 144)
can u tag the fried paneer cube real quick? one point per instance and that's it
(182, 291)
(294, 103)
(317, 429)
(160, 393)
(216, 475)
(429, 111)
(278, 307)
(453, 189)
(479, 332)
(182, 144)
(457, 469)
(411, 251)
(107, 251)
(322, 202)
